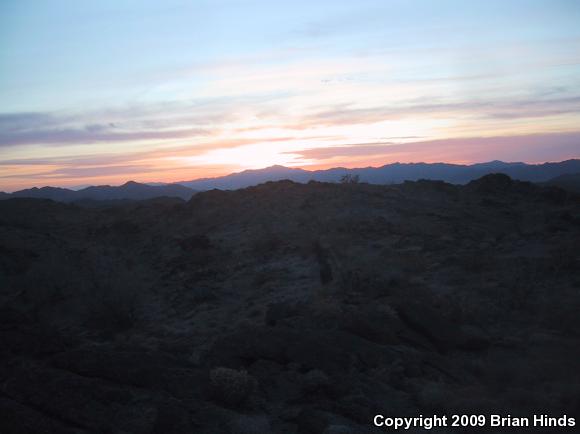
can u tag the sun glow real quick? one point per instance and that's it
(244, 157)
(345, 83)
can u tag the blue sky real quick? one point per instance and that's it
(103, 92)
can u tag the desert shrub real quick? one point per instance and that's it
(230, 386)
(349, 179)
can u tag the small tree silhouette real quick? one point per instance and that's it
(349, 179)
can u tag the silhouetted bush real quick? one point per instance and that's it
(349, 179)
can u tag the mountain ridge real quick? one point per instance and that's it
(130, 190)
(393, 173)
(386, 174)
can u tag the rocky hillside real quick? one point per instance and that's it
(289, 308)
(570, 182)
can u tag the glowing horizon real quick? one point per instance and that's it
(117, 91)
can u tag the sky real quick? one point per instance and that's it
(107, 91)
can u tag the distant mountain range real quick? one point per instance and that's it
(392, 173)
(559, 174)
(128, 191)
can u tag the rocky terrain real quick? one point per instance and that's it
(569, 182)
(290, 308)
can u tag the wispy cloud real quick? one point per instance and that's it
(82, 173)
(92, 134)
(307, 83)
(530, 148)
(170, 122)
(478, 109)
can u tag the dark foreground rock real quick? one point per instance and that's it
(289, 308)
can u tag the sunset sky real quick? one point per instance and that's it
(106, 91)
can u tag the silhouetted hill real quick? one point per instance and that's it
(392, 173)
(128, 191)
(248, 178)
(52, 193)
(289, 308)
(569, 182)
(135, 191)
